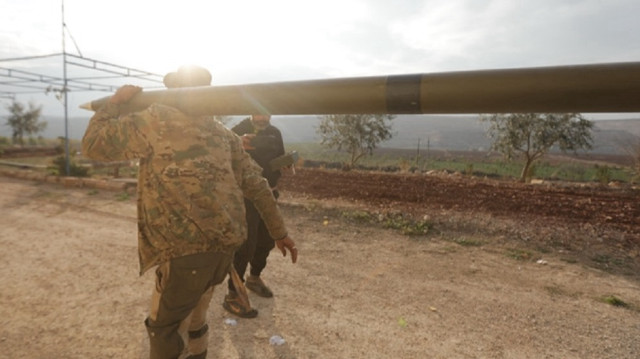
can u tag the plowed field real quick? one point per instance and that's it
(613, 208)
(599, 223)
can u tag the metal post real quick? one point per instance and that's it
(418, 153)
(64, 96)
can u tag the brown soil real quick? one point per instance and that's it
(597, 221)
(505, 271)
(611, 208)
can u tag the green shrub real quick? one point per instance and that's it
(407, 225)
(615, 301)
(59, 167)
(469, 169)
(603, 174)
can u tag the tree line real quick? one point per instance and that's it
(524, 136)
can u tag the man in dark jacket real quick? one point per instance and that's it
(263, 142)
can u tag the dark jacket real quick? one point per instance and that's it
(268, 145)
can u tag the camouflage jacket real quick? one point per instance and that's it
(192, 180)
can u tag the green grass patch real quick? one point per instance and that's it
(358, 216)
(41, 161)
(123, 196)
(569, 260)
(396, 221)
(555, 291)
(489, 166)
(615, 301)
(519, 254)
(466, 242)
(406, 225)
(608, 260)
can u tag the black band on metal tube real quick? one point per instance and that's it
(403, 94)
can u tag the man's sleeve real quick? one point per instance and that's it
(256, 189)
(277, 150)
(242, 127)
(110, 137)
(280, 143)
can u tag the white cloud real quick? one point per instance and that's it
(279, 40)
(502, 33)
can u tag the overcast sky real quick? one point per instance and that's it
(279, 40)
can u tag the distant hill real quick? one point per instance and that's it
(615, 136)
(457, 132)
(445, 132)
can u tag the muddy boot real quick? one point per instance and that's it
(233, 305)
(256, 285)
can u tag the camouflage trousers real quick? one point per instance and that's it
(177, 323)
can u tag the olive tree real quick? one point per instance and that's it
(531, 135)
(358, 134)
(633, 150)
(24, 122)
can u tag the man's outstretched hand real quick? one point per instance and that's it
(288, 243)
(246, 141)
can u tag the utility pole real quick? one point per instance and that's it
(64, 96)
(417, 154)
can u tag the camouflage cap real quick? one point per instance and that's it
(188, 76)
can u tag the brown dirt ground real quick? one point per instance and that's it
(506, 271)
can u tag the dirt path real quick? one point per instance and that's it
(70, 289)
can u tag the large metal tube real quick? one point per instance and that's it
(612, 87)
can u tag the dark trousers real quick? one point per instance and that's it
(257, 247)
